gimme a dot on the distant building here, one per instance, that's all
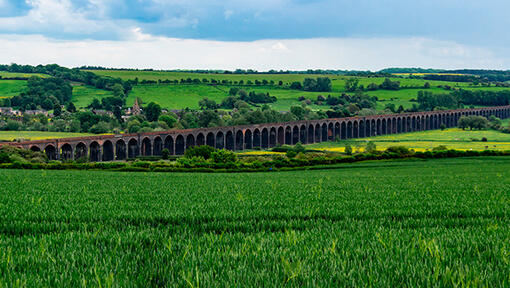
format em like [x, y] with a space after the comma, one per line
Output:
[8, 111]
[136, 108]
[102, 112]
[36, 112]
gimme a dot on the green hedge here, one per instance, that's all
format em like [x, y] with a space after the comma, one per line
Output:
[276, 163]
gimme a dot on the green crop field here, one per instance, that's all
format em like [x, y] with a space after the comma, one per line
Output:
[453, 138]
[436, 223]
[37, 135]
[9, 88]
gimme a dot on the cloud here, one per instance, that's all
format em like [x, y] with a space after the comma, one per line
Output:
[158, 52]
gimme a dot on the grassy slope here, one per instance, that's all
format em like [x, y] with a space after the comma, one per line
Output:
[83, 95]
[24, 75]
[413, 222]
[453, 138]
[37, 135]
[183, 96]
[9, 88]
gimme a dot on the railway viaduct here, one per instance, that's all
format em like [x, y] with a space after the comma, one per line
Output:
[260, 136]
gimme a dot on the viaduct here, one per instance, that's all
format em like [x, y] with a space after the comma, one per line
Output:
[259, 136]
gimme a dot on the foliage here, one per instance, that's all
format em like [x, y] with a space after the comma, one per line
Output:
[223, 156]
[203, 151]
[473, 122]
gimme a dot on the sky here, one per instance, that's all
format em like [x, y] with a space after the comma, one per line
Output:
[257, 34]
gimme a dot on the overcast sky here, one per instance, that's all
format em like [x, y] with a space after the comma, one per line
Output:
[257, 34]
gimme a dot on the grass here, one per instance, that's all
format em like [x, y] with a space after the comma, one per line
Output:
[83, 95]
[453, 138]
[423, 223]
[9, 88]
[5, 74]
[182, 96]
[37, 135]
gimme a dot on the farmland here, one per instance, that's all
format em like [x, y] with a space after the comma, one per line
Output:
[453, 138]
[9, 88]
[181, 96]
[423, 223]
[37, 135]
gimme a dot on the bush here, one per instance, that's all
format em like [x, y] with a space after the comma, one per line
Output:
[348, 149]
[4, 158]
[371, 148]
[203, 151]
[484, 139]
[291, 154]
[165, 154]
[399, 150]
[223, 156]
[440, 148]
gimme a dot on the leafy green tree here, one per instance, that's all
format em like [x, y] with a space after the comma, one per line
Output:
[351, 84]
[371, 147]
[168, 119]
[348, 149]
[204, 151]
[152, 111]
[70, 107]
[57, 110]
[223, 156]
[206, 103]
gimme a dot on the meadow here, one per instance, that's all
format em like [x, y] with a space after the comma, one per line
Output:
[452, 138]
[10, 88]
[441, 223]
[83, 95]
[37, 135]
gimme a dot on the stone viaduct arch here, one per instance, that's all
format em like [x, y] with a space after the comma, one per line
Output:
[128, 146]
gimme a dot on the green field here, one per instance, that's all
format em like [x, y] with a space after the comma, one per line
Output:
[436, 223]
[453, 138]
[182, 96]
[24, 75]
[83, 95]
[9, 88]
[37, 135]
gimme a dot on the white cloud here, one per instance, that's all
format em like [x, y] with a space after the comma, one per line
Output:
[146, 51]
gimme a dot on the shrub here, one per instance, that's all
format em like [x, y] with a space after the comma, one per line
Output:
[223, 156]
[203, 151]
[440, 148]
[348, 149]
[165, 153]
[484, 139]
[400, 150]
[371, 148]
[291, 153]
[4, 158]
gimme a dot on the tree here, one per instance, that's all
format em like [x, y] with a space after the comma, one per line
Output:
[70, 107]
[204, 151]
[348, 149]
[165, 154]
[206, 103]
[99, 128]
[57, 110]
[117, 112]
[296, 85]
[95, 104]
[371, 148]
[152, 111]
[168, 119]
[426, 85]
[223, 156]
[118, 90]
[351, 84]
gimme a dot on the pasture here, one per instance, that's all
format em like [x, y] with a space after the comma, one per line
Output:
[453, 138]
[398, 223]
[83, 95]
[37, 135]
[10, 88]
